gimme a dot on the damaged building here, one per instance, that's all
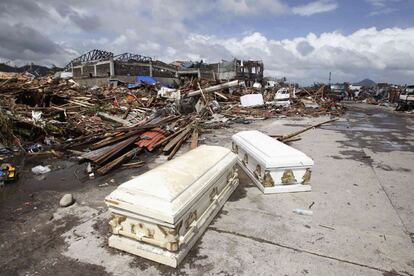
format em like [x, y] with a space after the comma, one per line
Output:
[98, 67]
[249, 71]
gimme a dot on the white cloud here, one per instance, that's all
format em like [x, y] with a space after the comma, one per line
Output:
[384, 55]
[253, 7]
[315, 7]
[377, 3]
[159, 30]
[382, 6]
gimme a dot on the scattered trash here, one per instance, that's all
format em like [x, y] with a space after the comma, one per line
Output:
[41, 169]
[8, 173]
[35, 148]
[328, 227]
[303, 212]
[251, 100]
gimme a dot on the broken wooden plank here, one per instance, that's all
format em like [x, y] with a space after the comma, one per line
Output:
[285, 137]
[168, 138]
[118, 161]
[134, 165]
[115, 119]
[221, 95]
[194, 139]
[295, 138]
[106, 156]
[178, 146]
[176, 140]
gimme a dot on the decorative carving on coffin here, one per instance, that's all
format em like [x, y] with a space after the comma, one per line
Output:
[171, 235]
[115, 223]
[268, 180]
[245, 159]
[234, 148]
[307, 176]
[213, 194]
[258, 173]
[191, 217]
[288, 177]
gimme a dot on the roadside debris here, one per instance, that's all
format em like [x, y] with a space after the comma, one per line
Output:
[305, 212]
[291, 136]
[41, 169]
[111, 126]
[8, 173]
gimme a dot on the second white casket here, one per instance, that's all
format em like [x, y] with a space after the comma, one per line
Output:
[161, 214]
[274, 166]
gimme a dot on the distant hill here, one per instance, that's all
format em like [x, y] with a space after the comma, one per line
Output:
[36, 70]
[365, 82]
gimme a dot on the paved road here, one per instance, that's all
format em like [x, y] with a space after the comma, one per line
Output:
[362, 199]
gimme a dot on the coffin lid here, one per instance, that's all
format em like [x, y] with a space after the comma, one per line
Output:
[168, 190]
[270, 152]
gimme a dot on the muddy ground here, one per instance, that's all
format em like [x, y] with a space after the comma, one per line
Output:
[363, 203]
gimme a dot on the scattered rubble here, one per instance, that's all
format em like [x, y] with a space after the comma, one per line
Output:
[41, 169]
[112, 125]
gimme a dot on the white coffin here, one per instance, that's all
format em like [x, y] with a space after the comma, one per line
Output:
[272, 165]
[161, 214]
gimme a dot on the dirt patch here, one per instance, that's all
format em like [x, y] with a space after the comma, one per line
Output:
[35, 245]
[357, 155]
[390, 169]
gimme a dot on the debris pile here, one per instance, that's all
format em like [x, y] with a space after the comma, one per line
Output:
[110, 126]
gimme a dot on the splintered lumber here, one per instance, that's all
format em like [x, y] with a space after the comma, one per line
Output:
[296, 138]
[288, 136]
[138, 164]
[113, 140]
[168, 138]
[221, 95]
[178, 146]
[108, 155]
[206, 102]
[176, 140]
[194, 139]
[214, 88]
[114, 119]
[80, 103]
[118, 161]
[127, 112]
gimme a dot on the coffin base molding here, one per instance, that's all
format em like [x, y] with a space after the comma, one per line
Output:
[164, 256]
[277, 189]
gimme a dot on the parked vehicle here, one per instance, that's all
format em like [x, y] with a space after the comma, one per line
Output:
[337, 91]
[406, 101]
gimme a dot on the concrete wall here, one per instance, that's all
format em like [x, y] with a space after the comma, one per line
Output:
[167, 81]
[89, 82]
[103, 70]
[102, 81]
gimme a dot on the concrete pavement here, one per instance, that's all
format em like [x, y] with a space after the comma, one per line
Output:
[362, 199]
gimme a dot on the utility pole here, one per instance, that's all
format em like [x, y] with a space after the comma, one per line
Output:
[329, 79]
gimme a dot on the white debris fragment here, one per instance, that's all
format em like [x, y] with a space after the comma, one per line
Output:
[41, 169]
[251, 100]
[305, 212]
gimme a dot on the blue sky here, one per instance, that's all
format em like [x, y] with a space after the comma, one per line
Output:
[302, 40]
[348, 17]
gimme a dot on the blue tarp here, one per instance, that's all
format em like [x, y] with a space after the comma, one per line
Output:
[145, 79]
[133, 85]
[139, 80]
